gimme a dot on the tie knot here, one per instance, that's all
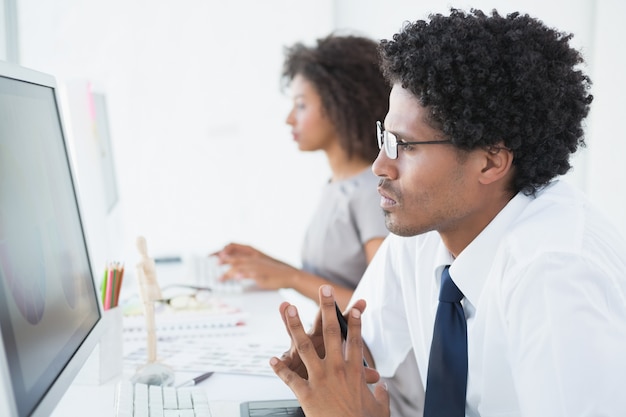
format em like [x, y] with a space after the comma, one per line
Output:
[449, 292]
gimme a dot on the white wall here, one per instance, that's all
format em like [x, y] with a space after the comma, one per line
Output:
[606, 171]
[3, 32]
[202, 153]
[9, 50]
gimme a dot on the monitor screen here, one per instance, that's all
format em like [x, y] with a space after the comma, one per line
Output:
[48, 301]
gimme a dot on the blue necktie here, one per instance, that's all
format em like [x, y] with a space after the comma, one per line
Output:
[446, 384]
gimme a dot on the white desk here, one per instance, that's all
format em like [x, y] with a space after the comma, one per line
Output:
[226, 391]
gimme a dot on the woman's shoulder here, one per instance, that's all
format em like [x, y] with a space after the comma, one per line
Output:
[365, 179]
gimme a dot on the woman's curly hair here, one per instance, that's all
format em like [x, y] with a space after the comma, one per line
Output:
[490, 79]
[345, 72]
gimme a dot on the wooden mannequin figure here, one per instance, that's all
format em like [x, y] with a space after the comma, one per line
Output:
[146, 272]
[153, 373]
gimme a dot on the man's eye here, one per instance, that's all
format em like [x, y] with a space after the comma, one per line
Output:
[405, 146]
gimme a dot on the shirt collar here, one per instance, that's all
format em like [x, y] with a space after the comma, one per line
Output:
[470, 269]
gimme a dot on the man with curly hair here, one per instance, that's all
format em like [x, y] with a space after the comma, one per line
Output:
[485, 112]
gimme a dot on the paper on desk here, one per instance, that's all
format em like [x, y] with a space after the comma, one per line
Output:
[203, 355]
[187, 324]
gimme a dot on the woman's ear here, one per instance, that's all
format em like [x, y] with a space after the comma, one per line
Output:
[498, 163]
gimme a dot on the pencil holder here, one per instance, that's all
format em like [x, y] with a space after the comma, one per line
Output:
[106, 361]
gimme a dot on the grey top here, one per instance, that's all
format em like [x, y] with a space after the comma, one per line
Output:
[347, 216]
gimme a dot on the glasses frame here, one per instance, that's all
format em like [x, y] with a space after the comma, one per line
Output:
[390, 142]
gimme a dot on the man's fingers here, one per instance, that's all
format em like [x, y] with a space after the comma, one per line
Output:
[289, 377]
[360, 305]
[381, 394]
[354, 343]
[371, 375]
[281, 309]
[300, 340]
[333, 342]
[291, 358]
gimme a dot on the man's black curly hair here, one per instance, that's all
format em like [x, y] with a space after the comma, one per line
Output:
[345, 72]
[490, 79]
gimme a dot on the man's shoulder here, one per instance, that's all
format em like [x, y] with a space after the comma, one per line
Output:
[557, 205]
[561, 218]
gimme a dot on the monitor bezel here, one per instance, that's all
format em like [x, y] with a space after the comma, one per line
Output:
[63, 381]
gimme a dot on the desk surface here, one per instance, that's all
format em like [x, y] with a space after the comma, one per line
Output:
[226, 391]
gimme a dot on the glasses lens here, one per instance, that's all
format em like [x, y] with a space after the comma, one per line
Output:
[391, 145]
[197, 300]
[181, 301]
[387, 140]
[379, 134]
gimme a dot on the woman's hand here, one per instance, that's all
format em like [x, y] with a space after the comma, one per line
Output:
[237, 250]
[328, 379]
[268, 273]
[247, 262]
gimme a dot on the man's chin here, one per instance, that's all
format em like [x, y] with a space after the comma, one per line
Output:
[393, 227]
[398, 229]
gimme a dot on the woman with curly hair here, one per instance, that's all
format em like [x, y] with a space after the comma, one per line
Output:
[338, 93]
[505, 281]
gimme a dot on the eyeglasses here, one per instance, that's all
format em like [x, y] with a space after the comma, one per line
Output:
[390, 141]
[197, 297]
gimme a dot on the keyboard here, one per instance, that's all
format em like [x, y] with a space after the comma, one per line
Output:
[141, 400]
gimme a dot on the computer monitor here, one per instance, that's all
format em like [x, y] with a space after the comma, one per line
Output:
[50, 316]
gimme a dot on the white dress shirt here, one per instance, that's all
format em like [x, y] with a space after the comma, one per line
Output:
[545, 301]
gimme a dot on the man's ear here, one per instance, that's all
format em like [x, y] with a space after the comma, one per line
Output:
[498, 163]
